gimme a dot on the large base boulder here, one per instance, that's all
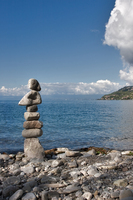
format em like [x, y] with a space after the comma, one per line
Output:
[33, 149]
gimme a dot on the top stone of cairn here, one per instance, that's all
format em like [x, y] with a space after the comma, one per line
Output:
[33, 84]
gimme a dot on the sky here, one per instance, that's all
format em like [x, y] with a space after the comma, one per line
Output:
[69, 46]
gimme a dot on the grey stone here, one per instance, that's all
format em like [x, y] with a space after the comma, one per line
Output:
[4, 156]
[121, 182]
[31, 98]
[44, 195]
[32, 133]
[72, 164]
[29, 196]
[29, 185]
[87, 195]
[32, 108]
[72, 153]
[32, 124]
[30, 116]
[2, 162]
[33, 149]
[17, 195]
[49, 179]
[16, 172]
[52, 194]
[125, 194]
[92, 170]
[36, 189]
[71, 188]
[61, 155]
[54, 185]
[27, 169]
[78, 194]
[89, 153]
[9, 190]
[57, 163]
[115, 194]
[61, 150]
[13, 180]
[33, 84]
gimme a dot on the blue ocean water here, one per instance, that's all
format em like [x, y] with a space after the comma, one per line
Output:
[70, 123]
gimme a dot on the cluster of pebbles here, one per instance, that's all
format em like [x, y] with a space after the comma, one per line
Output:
[67, 175]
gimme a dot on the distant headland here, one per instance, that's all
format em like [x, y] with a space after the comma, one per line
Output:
[125, 93]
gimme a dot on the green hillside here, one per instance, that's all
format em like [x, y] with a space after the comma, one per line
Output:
[125, 93]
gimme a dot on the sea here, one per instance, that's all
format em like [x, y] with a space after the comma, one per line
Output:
[70, 122]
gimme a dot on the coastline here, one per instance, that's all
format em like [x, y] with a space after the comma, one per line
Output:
[91, 173]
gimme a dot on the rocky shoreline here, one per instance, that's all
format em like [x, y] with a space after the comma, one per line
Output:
[88, 174]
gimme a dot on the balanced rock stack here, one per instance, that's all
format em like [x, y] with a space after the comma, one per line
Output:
[32, 146]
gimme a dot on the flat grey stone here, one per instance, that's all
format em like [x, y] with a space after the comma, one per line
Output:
[13, 180]
[57, 163]
[125, 194]
[17, 195]
[29, 196]
[27, 169]
[29, 116]
[33, 149]
[33, 84]
[31, 98]
[69, 189]
[9, 190]
[32, 133]
[32, 108]
[49, 179]
[72, 153]
[115, 194]
[29, 185]
[4, 156]
[32, 124]
[92, 170]
[121, 182]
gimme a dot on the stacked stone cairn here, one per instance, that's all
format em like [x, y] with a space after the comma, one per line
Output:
[32, 126]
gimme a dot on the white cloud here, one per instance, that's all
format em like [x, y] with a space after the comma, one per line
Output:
[14, 91]
[99, 87]
[119, 32]
[127, 75]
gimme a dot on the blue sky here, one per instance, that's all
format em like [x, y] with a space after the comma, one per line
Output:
[60, 43]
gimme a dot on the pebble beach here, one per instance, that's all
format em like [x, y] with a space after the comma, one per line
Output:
[87, 174]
